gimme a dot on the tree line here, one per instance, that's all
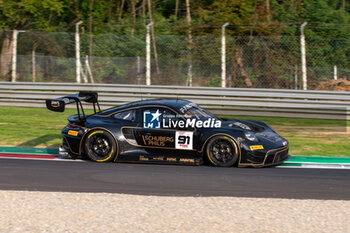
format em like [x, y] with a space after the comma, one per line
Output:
[246, 18]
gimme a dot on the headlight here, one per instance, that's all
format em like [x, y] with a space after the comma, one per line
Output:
[251, 136]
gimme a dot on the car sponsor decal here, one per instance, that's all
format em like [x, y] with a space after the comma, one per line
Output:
[171, 159]
[285, 143]
[191, 122]
[184, 140]
[184, 108]
[256, 147]
[159, 158]
[73, 133]
[55, 103]
[167, 159]
[187, 160]
[149, 140]
[151, 119]
[155, 120]
[143, 158]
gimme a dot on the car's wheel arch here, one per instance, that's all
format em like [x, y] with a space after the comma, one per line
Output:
[207, 139]
[83, 140]
[229, 137]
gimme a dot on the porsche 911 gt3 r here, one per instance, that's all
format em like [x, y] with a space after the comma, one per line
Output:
[166, 131]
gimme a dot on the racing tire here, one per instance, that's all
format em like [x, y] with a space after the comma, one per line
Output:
[100, 146]
[222, 151]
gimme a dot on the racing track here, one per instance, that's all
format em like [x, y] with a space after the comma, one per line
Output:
[147, 179]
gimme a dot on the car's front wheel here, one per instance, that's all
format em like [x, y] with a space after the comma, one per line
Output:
[100, 146]
[222, 151]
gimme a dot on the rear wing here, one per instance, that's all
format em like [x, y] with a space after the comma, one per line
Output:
[58, 105]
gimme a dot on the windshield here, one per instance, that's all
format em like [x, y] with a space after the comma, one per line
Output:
[199, 114]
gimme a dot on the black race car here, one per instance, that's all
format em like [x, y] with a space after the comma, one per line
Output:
[167, 131]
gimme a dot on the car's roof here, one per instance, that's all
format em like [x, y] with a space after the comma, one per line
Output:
[175, 104]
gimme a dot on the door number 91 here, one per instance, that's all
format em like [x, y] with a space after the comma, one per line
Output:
[184, 140]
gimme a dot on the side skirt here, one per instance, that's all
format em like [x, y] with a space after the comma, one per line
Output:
[161, 159]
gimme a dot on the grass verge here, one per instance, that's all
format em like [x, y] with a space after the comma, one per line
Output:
[39, 127]
[311, 136]
[33, 127]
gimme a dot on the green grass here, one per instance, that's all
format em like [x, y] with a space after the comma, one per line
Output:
[35, 127]
[311, 136]
[39, 127]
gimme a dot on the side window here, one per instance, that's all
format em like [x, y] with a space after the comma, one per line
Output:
[128, 115]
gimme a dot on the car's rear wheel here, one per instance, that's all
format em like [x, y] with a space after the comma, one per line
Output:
[222, 151]
[100, 146]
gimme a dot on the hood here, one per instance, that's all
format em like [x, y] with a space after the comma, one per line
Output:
[247, 125]
[261, 130]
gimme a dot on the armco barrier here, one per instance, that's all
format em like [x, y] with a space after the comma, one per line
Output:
[225, 101]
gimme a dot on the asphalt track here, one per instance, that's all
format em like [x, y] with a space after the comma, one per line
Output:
[174, 180]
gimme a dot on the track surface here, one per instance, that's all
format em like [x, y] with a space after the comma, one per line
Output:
[150, 179]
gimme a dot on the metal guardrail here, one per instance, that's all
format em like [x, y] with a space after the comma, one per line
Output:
[224, 101]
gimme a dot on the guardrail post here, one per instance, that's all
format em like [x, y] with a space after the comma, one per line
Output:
[335, 73]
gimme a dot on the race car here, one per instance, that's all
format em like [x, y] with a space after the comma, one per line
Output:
[170, 131]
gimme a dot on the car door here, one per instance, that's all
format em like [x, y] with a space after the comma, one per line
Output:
[127, 121]
[161, 130]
